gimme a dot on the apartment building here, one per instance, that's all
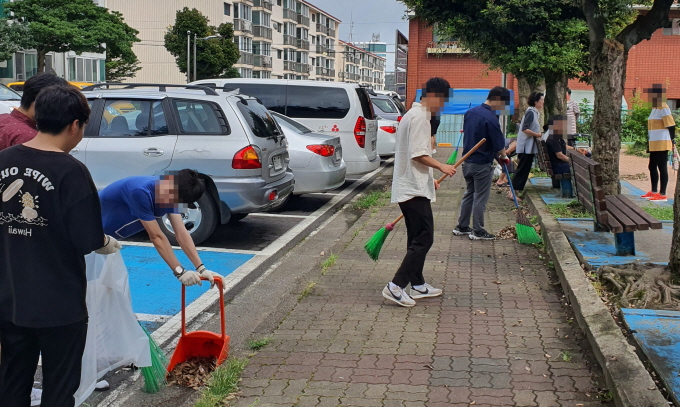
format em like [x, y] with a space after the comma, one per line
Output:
[360, 66]
[284, 39]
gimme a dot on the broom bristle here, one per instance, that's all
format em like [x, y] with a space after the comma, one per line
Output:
[452, 158]
[527, 234]
[375, 243]
[154, 375]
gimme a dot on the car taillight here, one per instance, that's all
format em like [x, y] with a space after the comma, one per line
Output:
[389, 129]
[246, 159]
[360, 132]
[399, 119]
[322, 149]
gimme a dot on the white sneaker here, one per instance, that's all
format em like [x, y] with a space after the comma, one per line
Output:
[398, 295]
[425, 291]
[36, 396]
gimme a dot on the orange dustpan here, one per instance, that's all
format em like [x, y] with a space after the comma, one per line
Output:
[201, 343]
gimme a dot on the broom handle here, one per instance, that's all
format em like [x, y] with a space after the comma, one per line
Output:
[507, 174]
[400, 217]
[465, 157]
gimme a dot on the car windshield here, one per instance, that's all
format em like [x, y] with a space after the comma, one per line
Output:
[258, 118]
[291, 124]
[8, 94]
[385, 105]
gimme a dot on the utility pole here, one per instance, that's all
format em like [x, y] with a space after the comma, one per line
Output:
[188, 56]
[504, 117]
[195, 59]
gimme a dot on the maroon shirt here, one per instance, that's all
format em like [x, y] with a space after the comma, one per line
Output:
[16, 128]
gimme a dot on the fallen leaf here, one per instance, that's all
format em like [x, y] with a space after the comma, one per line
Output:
[429, 367]
[579, 404]
[474, 402]
[527, 368]
[322, 253]
[496, 282]
[547, 356]
[651, 388]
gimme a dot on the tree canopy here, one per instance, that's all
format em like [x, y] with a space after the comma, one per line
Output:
[13, 37]
[121, 61]
[215, 56]
[74, 25]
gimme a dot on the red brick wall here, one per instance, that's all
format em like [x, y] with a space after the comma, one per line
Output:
[653, 61]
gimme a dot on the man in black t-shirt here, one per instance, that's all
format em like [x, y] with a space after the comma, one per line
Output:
[556, 146]
[50, 218]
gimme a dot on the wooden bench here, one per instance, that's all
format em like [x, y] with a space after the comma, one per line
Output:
[562, 181]
[612, 213]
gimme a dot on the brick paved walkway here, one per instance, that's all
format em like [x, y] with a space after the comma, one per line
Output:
[495, 338]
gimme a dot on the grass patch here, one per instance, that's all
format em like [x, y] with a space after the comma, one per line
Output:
[660, 212]
[565, 356]
[307, 290]
[257, 344]
[223, 383]
[537, 172]
[573, 209]
[373, 199]
[328, 263]
[637, 150]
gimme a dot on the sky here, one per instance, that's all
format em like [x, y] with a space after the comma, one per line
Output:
[369, 17]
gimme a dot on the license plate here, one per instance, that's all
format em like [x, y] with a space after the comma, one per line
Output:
[278, 163]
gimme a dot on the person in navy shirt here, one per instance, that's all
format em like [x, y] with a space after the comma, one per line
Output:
[481, 122]
[133, 204]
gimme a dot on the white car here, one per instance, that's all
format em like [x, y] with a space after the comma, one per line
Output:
[332, 108]
[387, 136]
[9, 99]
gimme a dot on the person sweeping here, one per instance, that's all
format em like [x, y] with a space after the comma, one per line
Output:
[413, 188]
[133, 204]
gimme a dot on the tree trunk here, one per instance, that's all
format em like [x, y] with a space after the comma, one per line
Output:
[525, 86]
[608, 64]
[41, 60]
[555, 95]
[674, 260]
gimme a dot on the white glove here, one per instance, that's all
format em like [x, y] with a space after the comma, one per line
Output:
[111, 246]
[210, 275]
[186, 277]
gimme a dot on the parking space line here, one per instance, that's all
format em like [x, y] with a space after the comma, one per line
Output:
[207, 299]
[200, 249]
[278, 215]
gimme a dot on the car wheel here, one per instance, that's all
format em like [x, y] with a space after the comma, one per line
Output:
[200, 222]
[235, 217]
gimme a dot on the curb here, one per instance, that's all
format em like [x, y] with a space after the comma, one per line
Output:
[626, 376]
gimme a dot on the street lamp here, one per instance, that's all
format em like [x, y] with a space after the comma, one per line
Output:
[189, 53]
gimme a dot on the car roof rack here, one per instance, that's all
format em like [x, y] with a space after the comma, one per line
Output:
[161, 87]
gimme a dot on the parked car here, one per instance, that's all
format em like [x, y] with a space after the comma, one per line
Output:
[386, 108]
[336, 108]
[387, 136]
[316, 159]
[394, 96]
[230, 139]
[9, 99]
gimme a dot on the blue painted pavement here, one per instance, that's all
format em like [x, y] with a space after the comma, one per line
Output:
[658, 334]
[153, 287]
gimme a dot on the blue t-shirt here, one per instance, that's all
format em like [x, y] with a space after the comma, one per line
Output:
[128, 201]
[479, 123]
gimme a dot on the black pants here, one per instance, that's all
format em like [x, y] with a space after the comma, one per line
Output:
[62, 350]
[522, 171]
[658, 166]
[420, 236]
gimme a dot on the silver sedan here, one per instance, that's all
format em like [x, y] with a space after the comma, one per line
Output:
[316, 159]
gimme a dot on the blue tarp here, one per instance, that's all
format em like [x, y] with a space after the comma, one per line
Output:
[460, 100]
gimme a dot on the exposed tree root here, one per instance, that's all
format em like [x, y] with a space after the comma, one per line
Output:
[642, 285]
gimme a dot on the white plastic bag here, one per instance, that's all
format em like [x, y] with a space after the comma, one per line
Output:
[114, 337]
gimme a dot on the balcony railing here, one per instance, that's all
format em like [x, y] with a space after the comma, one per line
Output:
[304, 44]
[304, 20]
[321, 28]
[296, 67]
[349, 76]
[289, 40]
[246, 58]
[325, 71]
[243, 25]
[377, 80]
[263, 61]
[367, 64]
[262, 31]
[263, 3]
[322, 49]
[449, 47]
[366, 79]
[290, 14]
[330, 32]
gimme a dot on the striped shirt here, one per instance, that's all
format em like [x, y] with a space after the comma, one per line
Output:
[658, 123]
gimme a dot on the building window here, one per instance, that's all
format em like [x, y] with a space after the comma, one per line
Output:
[227, 9]
[278, 2]
[313, 17]
[279, 54]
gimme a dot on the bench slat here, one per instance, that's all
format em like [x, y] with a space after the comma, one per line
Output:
[627, 211]
[652, 221]
[626, 222]
[613, 225]
[586, 162]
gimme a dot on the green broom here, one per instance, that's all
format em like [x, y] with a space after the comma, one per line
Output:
[454, 155]
[375, 243]
[154, 375]
[526, 234]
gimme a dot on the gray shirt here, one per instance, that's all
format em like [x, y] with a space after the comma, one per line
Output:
[526, 144]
